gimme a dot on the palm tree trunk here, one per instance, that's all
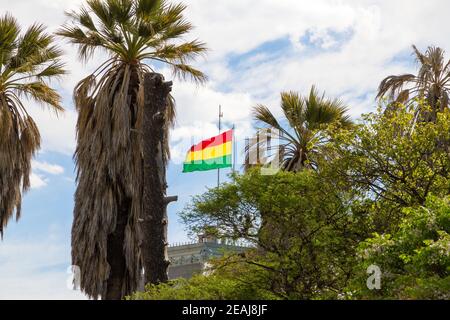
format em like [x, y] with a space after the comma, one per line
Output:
[116, 257]
[154, 223]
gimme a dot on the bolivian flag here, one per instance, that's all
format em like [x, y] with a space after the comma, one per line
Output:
[213, 153]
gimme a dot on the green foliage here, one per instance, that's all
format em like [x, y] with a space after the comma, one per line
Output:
[415, 261]
[300, 224]
[221, 285]
[393, 158]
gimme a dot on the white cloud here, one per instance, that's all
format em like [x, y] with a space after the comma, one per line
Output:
[37, 178]
[47, 167]
[37, 181]
[378, 32]
[57, 131]
[201, 103]
[239, 26]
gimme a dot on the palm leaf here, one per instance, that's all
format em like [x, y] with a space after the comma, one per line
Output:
[305, 117]
[430, 83]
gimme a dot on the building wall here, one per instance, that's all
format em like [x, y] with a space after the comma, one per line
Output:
[190, 259]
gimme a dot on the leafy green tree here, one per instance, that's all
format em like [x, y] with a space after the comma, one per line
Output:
[28, 61]
[300, 226]
[390, 167]
[230, 281]
[301, 132]
[415, 260]
[109, 156]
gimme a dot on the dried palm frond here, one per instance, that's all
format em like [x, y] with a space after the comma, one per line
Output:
[109, 161]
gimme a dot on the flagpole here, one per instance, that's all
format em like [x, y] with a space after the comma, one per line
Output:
[234, 149]
[220, 129]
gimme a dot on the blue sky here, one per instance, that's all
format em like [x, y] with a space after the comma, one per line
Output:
[258, 48]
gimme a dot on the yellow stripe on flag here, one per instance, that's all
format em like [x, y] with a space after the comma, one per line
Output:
[209, 153]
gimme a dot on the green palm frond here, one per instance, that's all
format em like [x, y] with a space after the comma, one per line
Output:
[148, 9]
[300, 135]
[320, 110]
[9, 32]
[41, 93]
[293, 108]
[136, 30]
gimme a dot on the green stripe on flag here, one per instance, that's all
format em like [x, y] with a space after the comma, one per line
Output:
[209, 164]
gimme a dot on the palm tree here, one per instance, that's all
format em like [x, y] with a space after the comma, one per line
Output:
[299, 134]
[109, 153]
[27, 61]
[432, 83]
